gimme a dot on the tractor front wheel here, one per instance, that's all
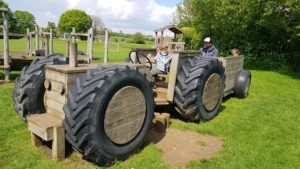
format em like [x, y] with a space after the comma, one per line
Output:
[108, 113]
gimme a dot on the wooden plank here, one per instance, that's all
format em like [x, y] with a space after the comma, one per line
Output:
[54, 75]
[55, 113]
[172, 77]
[58, 144]
[42, 125]
[55, 105]
[55, 95]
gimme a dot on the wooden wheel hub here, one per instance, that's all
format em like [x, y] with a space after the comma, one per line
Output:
[125, 115]
[212, 92]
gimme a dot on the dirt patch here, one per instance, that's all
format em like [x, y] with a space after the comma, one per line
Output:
[179, 147]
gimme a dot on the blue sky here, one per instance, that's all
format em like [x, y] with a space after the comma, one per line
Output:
[130, 16]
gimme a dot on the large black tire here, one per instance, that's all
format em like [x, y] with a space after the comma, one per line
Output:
[242, 84]
[28, 95]
[85, 113]
[191, 85]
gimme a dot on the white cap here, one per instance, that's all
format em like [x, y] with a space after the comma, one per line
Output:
[207, 40]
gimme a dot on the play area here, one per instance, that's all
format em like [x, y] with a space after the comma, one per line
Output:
[64, 106]
[105, 111]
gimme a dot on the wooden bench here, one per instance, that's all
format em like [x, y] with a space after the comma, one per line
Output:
[46, 127]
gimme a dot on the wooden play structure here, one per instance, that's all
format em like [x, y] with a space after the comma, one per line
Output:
[16, 61]
[105, 111]
[175, 43]
[6, 60]
[90, 35]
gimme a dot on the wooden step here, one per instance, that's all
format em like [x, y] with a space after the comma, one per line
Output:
[43, 125]
[161, 96]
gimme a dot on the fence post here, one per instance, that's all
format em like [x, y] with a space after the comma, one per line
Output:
[73, 55]
[29, 42]
[106, 46]
[73, 34]
[88, 43]
[51, 42]
[91, 35]
[6, 46]
[46, 44]
[36, 37]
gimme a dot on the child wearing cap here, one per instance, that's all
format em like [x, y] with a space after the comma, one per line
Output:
[163, 59]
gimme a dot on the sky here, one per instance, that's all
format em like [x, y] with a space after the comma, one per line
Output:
[129, 16]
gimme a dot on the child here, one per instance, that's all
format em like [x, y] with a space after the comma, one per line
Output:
[162, 59]
[235, 52]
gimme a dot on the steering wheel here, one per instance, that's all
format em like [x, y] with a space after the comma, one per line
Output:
[138, 53]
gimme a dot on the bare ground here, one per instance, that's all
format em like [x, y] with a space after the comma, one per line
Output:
[180, 147]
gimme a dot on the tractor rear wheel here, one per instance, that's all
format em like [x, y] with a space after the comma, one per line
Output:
[199, 88]
[29, 91]
[242, 84]
[108, 113]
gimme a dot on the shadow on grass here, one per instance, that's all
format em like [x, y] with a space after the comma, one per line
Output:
[281, 69]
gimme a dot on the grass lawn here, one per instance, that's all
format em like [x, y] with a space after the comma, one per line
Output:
[20, 46]
[261, 131]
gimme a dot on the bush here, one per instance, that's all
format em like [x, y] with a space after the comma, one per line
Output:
[139, 38]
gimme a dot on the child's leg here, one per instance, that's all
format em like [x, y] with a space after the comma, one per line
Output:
[154, 73]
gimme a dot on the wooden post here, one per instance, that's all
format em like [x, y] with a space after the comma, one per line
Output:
[36, 37]
[35, 140]
[106, 47]
[91, 45]
[42, 38]
[46, 45]
[162, 37]
[68, 48]
[6, 46]
[88, 43]
[58, 144]
[73, 35]
[156, 39]
[73, 55]
[51, 42]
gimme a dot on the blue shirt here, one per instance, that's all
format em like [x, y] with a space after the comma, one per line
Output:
[212, 52]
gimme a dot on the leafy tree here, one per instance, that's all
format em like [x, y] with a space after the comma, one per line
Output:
[74, 18]
[51, 25]
[263, 30]
[24, 20]
[11, 18]
[139, 38]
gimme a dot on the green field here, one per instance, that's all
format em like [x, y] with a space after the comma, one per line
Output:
[115, 53]
[261, 131]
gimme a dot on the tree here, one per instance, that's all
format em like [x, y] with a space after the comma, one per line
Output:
[24, 20]
[51, 25]
[97, 24]
[264, 30]
[74, 18]
[11, 18]
[139, 38]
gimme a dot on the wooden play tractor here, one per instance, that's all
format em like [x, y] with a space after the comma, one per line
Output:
[106, 110]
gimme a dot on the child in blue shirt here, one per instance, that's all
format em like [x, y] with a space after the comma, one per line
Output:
[163, 59]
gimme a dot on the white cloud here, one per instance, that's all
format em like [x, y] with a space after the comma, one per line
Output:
[127, 15]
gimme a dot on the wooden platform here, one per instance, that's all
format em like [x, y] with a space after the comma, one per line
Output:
[45, 127]
[160, 96]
